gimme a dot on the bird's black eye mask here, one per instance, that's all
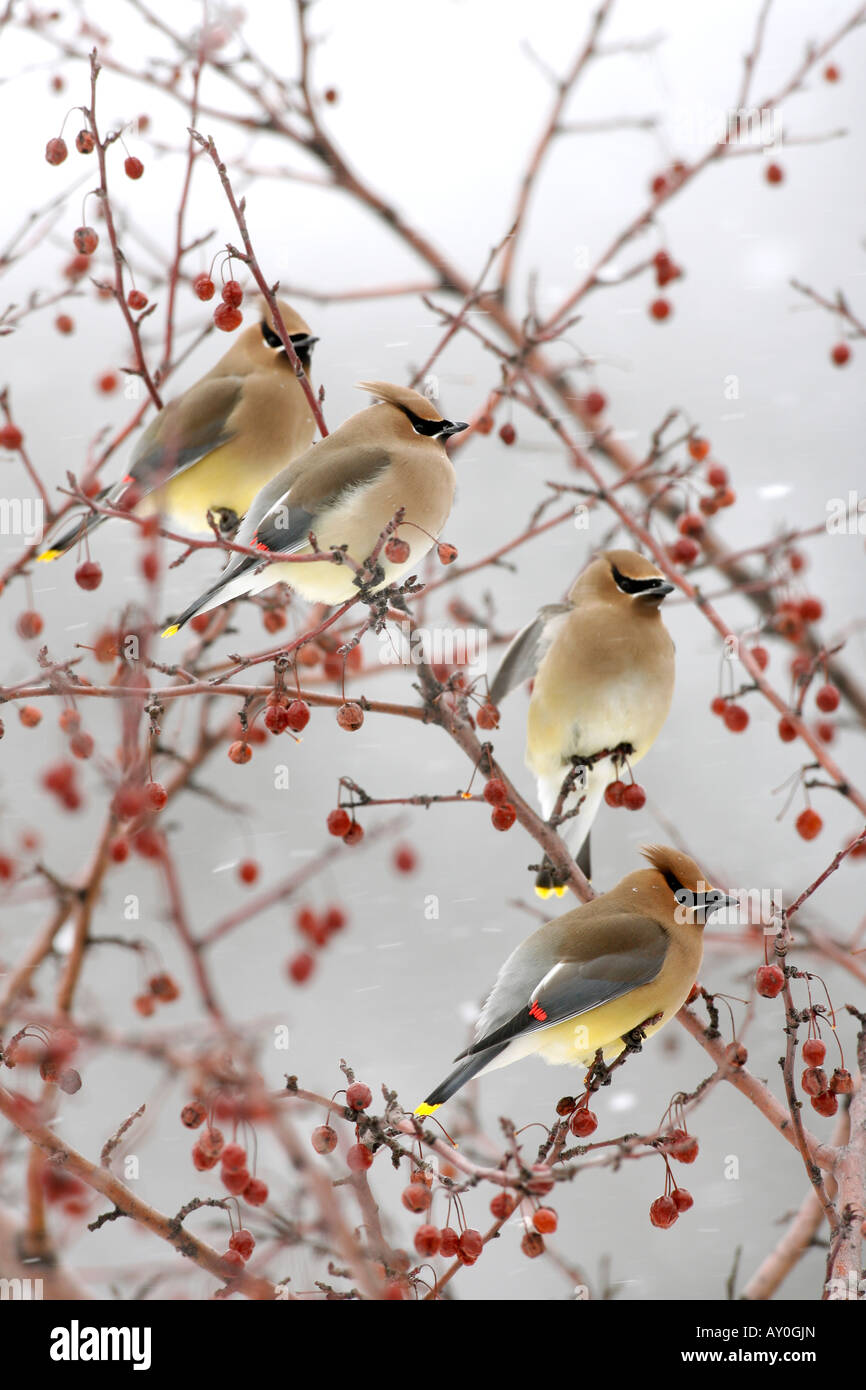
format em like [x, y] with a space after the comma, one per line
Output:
[634, 586]
[301, 342]
[432, 428]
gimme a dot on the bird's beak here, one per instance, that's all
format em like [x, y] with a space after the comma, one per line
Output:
[455, 426]
[656, 595]
[715, 900]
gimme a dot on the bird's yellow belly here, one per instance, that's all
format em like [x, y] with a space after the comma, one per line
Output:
[576, 1041]
[220, 480]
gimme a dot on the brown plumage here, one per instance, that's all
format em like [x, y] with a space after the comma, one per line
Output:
[603, 670]
[345, 490]
[623, 961]
[215, 446]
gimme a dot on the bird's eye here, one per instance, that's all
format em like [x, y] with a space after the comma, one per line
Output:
[272, 339]
[633, 586]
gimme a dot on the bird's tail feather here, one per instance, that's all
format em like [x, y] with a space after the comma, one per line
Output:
[469, 1067]
[82, 527]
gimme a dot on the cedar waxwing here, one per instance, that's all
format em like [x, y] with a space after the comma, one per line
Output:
[215, 447]
[589, 978]
[603, 669]
[345, 489]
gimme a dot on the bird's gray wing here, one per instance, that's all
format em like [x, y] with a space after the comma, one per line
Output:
[186, 431]
[632, 954]
[523, 658]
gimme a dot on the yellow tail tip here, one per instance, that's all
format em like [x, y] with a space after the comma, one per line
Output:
[49, 555]
[558, 889]
[543, 892]
[170, 631]
[425, 1109]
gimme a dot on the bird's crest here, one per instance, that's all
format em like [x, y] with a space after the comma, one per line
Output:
[403, 397]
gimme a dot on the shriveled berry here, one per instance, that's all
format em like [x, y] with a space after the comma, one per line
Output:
[164, 987]
[81, 745]
[503, 816]
[447, 553]
[193, 1114]
[350, 716]
[841, 1082]
[532, 1245]
[450, 1241]
[203, 1161]
[136, 299]
[825, 1104]
[683, 1146]
[234, 1157]
[769, 981]
[324, 1139]
[55, 150]
[85, 240]
[663, 1212]
[814, 1081]
[488, 717]
[682, 1199]
[470, 1243]
[155, 795]
[397, 550]
[502, 1205]
[234, 1180]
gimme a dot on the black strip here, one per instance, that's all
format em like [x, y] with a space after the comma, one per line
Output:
[673, 882]
[420, 426]
[634, 586]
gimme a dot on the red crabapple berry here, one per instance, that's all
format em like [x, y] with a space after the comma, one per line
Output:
[405, 859]
[55, 150]
[119, 850]
[769, 981]
[831, 73]
[507, 433]
[761, 657]
[684, 1146]
[504, 816]
[274, 619]
[133, 167]
[428, 1241]
[256, 1192]
[358, 1096]
[232, 294]
[660, 309]
[614, 793]
[397, 550]
[163, 986]
[447, 553]
[450, 1241]
[841, 1082]
[240, 752]
[787, 729]
[203, 1161]
[690, 524]
[718, 705]
[338, 822]
[594, 402]
[684, 551]
[203, 287]
[301, 967]
[814, 1081]
[808, 824]
[532, 1245]
[827, 698]
[811, 610]
[234, 1157]
[774, 173]
[10, 436]
[484, 424]
[502, 1205]
[814, 1052]
[663, 1212]
[416, 1197]
[193, 1114]
[825, 1104]
[276, 719]
[495, 791]
[488, 717]
[355, 834]
[84, 142]
[155, 795]
[211, 1142]
[85, 240]
[234, 1180]
[227, 317]
[736, 1054]
[136, 300]
[28, 624]
[359, 1158]
[698, 448]
[248, 871]
[243, 1242]
[324, 1139]
[545, 1221]
[81, 745]
[30, 716]
[634, 797]
[470, 1244]
[108, 382]
[89, 575]
[682, 1199]
[583, 1123]
[566, 1106]
[840, 354]
[541, 1182]
[234, 1260]
[350, 716]
[736, 718]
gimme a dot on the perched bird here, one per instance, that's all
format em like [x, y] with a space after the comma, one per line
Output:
[603, 671]
[345, 489]
[625, 961]
[215, 447]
